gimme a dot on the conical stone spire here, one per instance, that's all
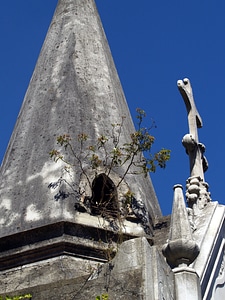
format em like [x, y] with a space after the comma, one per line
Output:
[74, 89]
[181, 249]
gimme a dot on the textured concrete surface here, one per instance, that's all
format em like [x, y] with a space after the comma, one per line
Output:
[187, 284]
[210, 236]
[74, 89]
[46, 248]
[138, 271]
[180, 249]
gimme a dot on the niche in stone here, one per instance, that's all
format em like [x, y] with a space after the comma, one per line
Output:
[104, 199]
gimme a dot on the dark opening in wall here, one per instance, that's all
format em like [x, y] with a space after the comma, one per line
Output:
[104, 200]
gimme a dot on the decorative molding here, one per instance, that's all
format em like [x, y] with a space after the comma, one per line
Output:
[219, 286]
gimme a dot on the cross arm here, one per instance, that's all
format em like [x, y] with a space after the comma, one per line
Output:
[194, 119]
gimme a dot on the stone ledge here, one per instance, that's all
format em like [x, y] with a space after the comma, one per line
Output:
[59, 239]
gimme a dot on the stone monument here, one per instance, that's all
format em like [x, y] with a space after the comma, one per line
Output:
[48, 239]
[53, 245]
[195, 248]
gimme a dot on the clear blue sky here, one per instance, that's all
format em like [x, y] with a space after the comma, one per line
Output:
[154, 43]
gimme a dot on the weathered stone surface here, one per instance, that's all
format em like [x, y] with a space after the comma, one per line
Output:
[194, 121]
[74, 89]
[210, 236]
[86, 239]
[138, 271]
[181, 247]
[51, 250]
[197, 189]
[47, 247]
[32, 277]
[187, 285]
[161, 231]
[181, 250]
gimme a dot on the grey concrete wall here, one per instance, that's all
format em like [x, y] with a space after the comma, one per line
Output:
[74, 88]
[138, 271]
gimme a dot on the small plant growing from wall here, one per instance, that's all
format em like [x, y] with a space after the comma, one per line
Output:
[18, 297]
[102, 158]
[102, 297]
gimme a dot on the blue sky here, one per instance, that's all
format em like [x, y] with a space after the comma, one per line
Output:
[154, 43]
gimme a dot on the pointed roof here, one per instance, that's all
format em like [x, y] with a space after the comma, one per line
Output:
[180, 248]
[74, 88]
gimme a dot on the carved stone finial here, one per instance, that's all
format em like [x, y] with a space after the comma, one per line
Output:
[197, 189]
[181, 249]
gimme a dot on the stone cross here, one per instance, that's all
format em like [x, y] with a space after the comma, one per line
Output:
[190, 141]
[194, 119]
